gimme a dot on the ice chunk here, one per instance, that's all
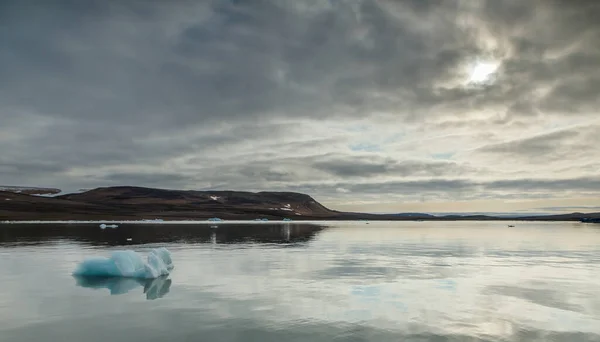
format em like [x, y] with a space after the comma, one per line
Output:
[104, 226]
[128, 264]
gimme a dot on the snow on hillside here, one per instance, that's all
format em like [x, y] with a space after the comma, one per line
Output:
[29, 190]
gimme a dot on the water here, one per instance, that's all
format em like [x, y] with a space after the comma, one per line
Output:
[406, 281]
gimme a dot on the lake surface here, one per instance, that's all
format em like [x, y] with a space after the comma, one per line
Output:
[403, 281]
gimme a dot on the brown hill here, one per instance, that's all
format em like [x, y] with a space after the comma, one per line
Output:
[148, 203]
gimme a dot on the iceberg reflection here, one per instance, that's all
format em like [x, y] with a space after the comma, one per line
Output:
[153, 288]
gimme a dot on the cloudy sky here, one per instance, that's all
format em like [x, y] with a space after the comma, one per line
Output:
[370, 105]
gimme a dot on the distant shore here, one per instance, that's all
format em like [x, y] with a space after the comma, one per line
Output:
[149, 205]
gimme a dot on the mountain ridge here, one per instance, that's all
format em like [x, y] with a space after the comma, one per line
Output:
[139, 203]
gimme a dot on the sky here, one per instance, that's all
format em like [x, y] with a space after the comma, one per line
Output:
[366, 105]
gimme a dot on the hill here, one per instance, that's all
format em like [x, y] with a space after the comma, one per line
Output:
[148, 203]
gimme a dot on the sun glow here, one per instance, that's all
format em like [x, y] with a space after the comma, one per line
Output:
[482, 72]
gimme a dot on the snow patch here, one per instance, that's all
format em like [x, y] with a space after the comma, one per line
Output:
[286, 209]
[287, 205]
[128, 264]
[214, 198]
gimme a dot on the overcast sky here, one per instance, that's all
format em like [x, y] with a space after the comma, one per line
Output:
[364, 104]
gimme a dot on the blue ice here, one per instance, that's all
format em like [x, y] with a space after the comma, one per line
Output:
[128, 264]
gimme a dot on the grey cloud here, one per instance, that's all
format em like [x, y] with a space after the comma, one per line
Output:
[368, 166]
[559, 145]
[540, 145]
[171, 180]
[461, 189]
[585, 184]
[31, 168]
[241, 60]
[113, 83]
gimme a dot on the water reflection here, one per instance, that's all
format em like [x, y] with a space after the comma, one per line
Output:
[153, 288]
[136, 234]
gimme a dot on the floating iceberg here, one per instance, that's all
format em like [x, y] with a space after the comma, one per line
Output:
[104, 226]
[128, 264]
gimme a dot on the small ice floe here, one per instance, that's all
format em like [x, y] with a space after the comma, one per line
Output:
[215, 219]
[104, 226]
[7, 199]
[129, 239]
[128, 264]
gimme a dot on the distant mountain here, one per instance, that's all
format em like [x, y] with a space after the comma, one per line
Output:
[29, 190]
[414, 215]
[138, 203]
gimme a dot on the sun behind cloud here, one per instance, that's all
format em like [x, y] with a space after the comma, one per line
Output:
[482, 72]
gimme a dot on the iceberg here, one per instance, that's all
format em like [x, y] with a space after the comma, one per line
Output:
[128, 264]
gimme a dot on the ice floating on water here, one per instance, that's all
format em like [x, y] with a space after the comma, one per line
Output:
[128, 264]
[153, 288]
[104, 226]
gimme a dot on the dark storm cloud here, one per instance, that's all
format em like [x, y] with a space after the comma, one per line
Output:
[116, 60]
[365, 167]
[89, 85]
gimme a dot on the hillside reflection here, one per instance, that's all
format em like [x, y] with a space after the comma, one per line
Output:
[135, 234]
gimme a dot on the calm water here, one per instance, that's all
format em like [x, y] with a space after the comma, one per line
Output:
[410, 281]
